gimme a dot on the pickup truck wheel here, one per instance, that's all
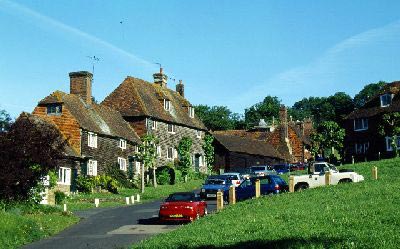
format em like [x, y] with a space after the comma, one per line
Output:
[347, 180]
[300, 187]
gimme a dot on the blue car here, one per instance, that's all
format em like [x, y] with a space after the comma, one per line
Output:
[214, 184]
[269, 184]
[281, 168]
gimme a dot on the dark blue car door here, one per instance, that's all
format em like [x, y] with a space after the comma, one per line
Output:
[246, 190]
[266, 186]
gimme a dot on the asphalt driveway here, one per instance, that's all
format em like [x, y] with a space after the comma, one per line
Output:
[111, 228]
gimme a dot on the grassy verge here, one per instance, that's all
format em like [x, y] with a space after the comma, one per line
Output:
[21, 225]
[357, 215]
[86, 201]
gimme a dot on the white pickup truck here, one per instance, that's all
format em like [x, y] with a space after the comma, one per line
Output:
[316, 176]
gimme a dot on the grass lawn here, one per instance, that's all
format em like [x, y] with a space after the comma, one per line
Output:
[20, 225]
[85, 201]
[355, 215]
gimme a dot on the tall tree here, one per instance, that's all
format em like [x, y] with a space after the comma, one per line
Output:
[267, 109]
[367, 93]
[342, 104]
[147, 155]
[328, 136]
[390, 126]
[185, 160]
[5, 120]
[217, 117]
[28, 151]
[209, 151]
[320, 109]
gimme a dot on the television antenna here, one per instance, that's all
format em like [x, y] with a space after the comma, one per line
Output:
[94, 60]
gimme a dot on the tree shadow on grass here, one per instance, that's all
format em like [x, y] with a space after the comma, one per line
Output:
[314, 242]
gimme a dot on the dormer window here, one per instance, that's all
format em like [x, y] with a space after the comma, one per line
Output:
[54, 109]
[167, 105]
[122, 144]
[360, 124]
[386, 100]
[191, 111]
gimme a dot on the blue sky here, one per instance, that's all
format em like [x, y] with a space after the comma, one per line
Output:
[231, 53]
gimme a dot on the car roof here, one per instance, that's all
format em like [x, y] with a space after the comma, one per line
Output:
[230, 173]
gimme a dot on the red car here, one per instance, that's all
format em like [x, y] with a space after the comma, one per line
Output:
[182, 206]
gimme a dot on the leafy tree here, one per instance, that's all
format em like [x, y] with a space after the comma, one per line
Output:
[342, 105]
[185, 162]
[390, 126]
[367, 93]
[217, 117]
[328, 135]
[266, 109]
[147, 155]
[209, 151]
[28, 151]
[5, 121]
[320, 109]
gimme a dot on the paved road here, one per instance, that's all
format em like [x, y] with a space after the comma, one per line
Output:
[111, 228]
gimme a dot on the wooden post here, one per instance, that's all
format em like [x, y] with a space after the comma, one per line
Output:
[133, 199]
[257, 188]
[127, 200]
[374, 173]
[379, 155]
[352, 159]
[328, 177]
[291, 184]
[232, 195]
[220, 200]
[96, 202]
[65, 207]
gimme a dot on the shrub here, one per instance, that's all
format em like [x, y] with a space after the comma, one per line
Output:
[176, 176]
[84, 184]
[107, 183]
[163, 175]
[59, 197]
[118, 175]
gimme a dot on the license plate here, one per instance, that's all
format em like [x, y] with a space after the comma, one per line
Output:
[211, 195]
[176, 216]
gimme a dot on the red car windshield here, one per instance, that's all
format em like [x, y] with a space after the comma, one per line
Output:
[181, 197]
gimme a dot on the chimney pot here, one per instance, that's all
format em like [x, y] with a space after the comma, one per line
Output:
[81, 84]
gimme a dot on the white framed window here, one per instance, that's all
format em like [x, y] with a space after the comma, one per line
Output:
[171, 128]
[54, 109]
[171, 153]
[360, 124]
[361, 148]
[64, 176]
[159, 151]
[198, 133]
[136, 148]
[122, 144]
[92, 139]
[137, 168]
[389, 143]
[92, 168]
[167, 105]
[386, 100]
[122, 163]
[153, 125]
[191, 111]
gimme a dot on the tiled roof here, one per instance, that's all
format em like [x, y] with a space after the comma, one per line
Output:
[136, 97]
[246, 145]
[96, 118]
[372, 107]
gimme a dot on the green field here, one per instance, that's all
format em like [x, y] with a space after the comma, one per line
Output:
[85, 201]
[355, 215]
[21, 225]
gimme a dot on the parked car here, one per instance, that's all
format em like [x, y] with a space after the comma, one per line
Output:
[245, 173]
[281, 168]
[236, 178]
[182, 206]
[262, 170]
[269, 184]
[213, 184]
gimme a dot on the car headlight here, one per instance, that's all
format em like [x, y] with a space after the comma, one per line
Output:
[203, 190]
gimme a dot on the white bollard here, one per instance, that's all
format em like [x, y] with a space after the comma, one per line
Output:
[127, 200]
[132, 199]
[96, 202]
[65, 207]
[138, 198]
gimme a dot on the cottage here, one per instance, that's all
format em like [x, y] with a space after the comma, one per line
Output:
[363, 141]
[97, 135]
[152, 108]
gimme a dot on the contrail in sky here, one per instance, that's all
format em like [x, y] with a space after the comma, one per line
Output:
[48, 21]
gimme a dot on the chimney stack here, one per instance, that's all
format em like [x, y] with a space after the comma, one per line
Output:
[283, 120]
[81, 84]
[180, 88]
[160, 78]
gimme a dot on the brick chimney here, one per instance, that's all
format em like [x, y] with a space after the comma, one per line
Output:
[180, 88]
[160, 78]
[81, 84]
[283, 121]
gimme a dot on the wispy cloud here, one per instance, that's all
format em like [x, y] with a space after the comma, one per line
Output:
[42, 20]
[323, 71]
